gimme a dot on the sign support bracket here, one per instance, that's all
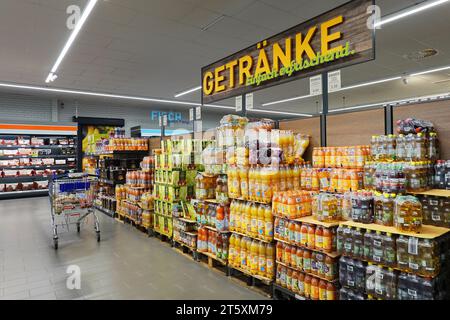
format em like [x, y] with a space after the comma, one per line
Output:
[323, 116]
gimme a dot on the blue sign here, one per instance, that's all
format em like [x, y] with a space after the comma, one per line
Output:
[171, 116]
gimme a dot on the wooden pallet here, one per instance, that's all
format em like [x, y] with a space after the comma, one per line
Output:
[185, 249]
[212, 261]
[260, 284]
[161, 236]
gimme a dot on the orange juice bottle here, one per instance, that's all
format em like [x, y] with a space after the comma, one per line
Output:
[339, 157]
[323, 290]
[232, 250]
[249, 254]
[270, 265]
[247, 227]
[290, 178]
[243, 178]
[327, 157]
[253, 220]
[296, 177]
[238, 216]
[254, 257]
[311, 236]
[318, 238]
[332, 157]
[261, 222]
[262, 261]
[307, 286]
[251, 183]
[304, 235]
[268, 221]
[283, 176]
[334, 180]
[347, 180]
[237, 249]
[314, 180]
[303, 178]
[243, 253]
[314, 289]
[359, 157]
[258, 185]
[341, 174]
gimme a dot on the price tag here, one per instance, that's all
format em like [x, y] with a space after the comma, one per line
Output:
[315, 85]
[334, 81]
[238, 103]
[198, 113]
[249, 101]
[191, 114]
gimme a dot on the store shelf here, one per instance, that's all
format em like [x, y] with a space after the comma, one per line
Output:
[37, 146]
[312, 220]
[163, 215]
[214, 257]
[251, 237]
[57, 156]
[254, 201]
[110, 182]
[184, 244]
[434, 192]
[308, 273]
[185, 220]
[39, 167]
[14, 194]
[17, 179]
[427, 232]
[330, 254]
[213, 229]
[118, 152]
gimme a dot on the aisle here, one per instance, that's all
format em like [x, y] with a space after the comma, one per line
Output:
[125, 265]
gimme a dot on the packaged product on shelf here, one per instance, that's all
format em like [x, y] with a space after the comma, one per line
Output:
[362, 207]
[205, 186]
[292, 204]
[414, 126]
[436, 211]
[413, 287]
[442, 175]
[325, 208]
[352, 274]
[222, 189]
[353, 157]
[349, 294]
[408, 214]
[381, 282]
[419, 256]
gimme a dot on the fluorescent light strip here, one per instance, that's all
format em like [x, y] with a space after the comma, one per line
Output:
[287, 100]
[430, 71]
[410, 11]
[188, 91]
[394, 102]
[280, 112]
[365, 84]
[90, 6]
[108, 95]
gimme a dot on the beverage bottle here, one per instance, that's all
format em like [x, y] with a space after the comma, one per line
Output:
[307, 261]
[295, 276]
[243, 262]
[340, 239]
[357, 243]
[377, 247]
[278, 275]
[318, 238]
[294, 257]
[388, 210]
[268, 223]
[283, 277]
[283, 176]
[327, 242]
[239, 217]
[331, 292]
[374, 147]
[314, 289]
[402, 244]
[360, 275]
[291, 238]
[260, 222]
[270, 261]
[378, 208]
[314, 269]
[368, 243]
[296, 177]
[311, 236]
[320, 264]
[299, 259]
[236, 261]
[330, 268]
[389, 252]
[297, 234]
[251, 183]
[400, 151]
[348, 242]
[232, 251]
[307, 285]
[262, 261]
[279, 251]
[287, 255]
[250, 255]
[315, 185]
[432, 148]
[334, 180]
[301, 284]
[304, 235]
[322, 290]
[419, 151]
[253, 220]
[243, 178]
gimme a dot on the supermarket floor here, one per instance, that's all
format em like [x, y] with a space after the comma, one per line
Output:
[125, 265]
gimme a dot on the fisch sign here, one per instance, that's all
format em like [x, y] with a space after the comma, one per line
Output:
[336, 39]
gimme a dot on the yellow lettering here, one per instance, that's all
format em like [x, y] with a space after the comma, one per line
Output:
[208, 83]
[262, 65]
[328, 38]
[284, 57]
[230, 66]
[219, 78]
[245, 67]
[303, 46]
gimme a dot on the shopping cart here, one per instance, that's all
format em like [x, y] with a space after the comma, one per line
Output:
[72, 198]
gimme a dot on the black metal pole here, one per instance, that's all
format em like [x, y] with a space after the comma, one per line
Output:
[244, 106]
[389, 119]
[323, 116]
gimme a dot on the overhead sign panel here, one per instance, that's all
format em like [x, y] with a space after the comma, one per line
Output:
[333, 40]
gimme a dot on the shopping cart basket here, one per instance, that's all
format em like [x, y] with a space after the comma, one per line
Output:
[72, 198]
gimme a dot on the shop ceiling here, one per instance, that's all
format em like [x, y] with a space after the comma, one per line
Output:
[156, 48]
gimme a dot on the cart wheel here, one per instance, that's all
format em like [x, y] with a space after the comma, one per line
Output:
[55, 244]
[78, 228]
[98, 236]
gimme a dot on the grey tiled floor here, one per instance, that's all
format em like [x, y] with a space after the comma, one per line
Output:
[124, 265]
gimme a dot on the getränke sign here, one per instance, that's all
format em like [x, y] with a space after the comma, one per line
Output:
[338, 38]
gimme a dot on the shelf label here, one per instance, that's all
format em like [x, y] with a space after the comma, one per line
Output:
[238, 103]
[334, 81]
[315, 85]
[249, 101]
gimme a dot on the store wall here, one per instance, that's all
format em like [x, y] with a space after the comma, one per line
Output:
[307, 126]
[355, 128]
[20, 107]
[436, 112]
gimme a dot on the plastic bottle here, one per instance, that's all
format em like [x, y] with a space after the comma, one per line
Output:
[367, 248]
[232, 250]
[389, 252]
[243, 252]
[311, 236]
[314, 289]
[377, 247]
[299, 259]
[358, 239]
[243, 178]
[318, 238]
[322, 290]
[262, 261]
[327, 242]
[330, 268]
[270, 271]
[340, 238]
[307, 286]
[307, 261]
[304, 235]
[348, 242]
[314, 268]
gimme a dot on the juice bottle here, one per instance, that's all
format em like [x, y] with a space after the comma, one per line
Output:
[296, 177]
[334, 181]
[331, 292]
[322, 290]
[261, 222]
[307, 261]
[327, 240]
[262, 260]
[236, 261]
[301, 284]
[327, 157]
[287, 255]
[243, 251]
[318, 238]
[268, 223]
[314, 263]
[299, 259]
[307, 285]
[270, 271]
[250, 255]
[304, 235]
[251, 183]
[314, 289]
[332, 159]
[243, 178]
[311, 236]
[289, 279]
[289, 178]
[298, 234]
[295, 275]
[283, 178]
[291, 232]
[232, 250]
[232, 216]
[303, 178]
[239, 216]
[330, 269]
[279, 251]
[315, 184]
